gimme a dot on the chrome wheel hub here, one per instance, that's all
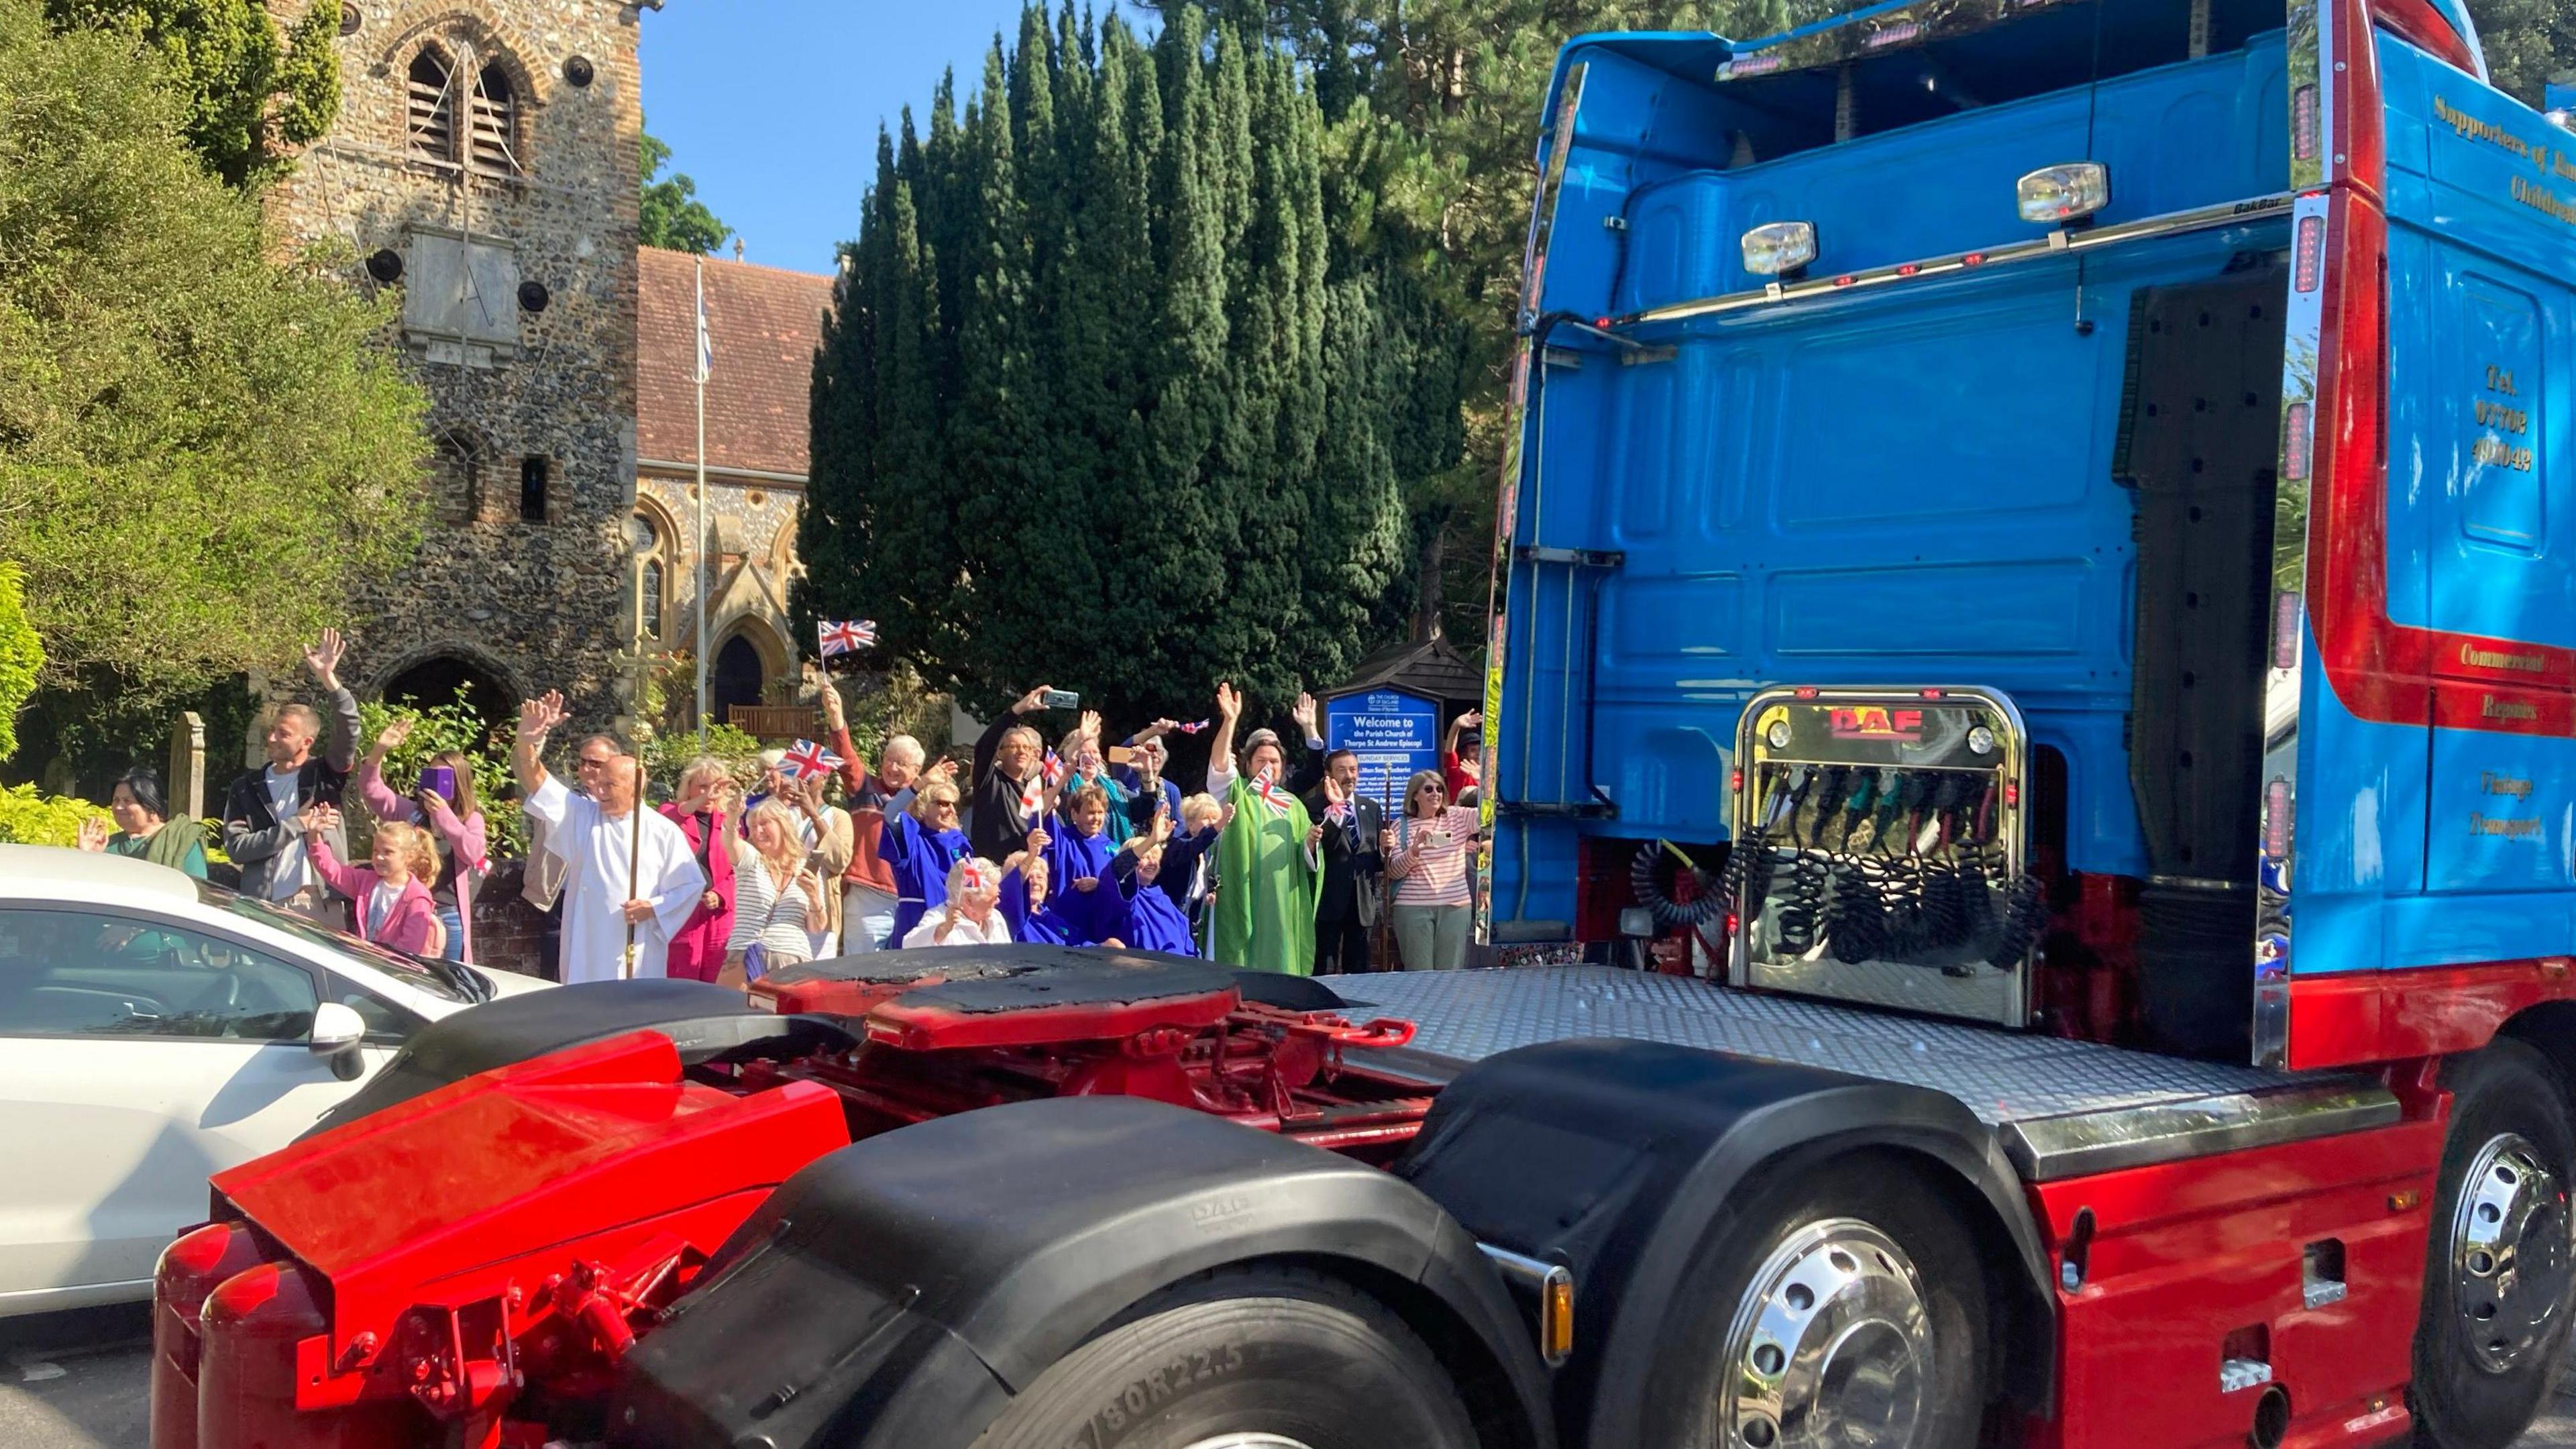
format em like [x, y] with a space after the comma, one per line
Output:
[2509, 1252]
[1831, 1347]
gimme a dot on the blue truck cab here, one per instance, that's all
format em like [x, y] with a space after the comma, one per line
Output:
[2167, 392]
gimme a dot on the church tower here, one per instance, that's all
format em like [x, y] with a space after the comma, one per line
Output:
[483, 173]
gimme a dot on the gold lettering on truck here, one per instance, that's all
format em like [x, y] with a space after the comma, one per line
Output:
[2477, 658]
[2493, 708]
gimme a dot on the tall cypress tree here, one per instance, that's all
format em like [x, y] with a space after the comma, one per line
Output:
[1103, 399]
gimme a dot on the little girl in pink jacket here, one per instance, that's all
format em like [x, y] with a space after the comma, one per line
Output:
[393, 905]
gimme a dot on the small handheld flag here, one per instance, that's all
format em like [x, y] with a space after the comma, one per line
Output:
[1052, 771]
[809, 758]
[1191, 729]
[1338, 812]
[971, 876]
[1269, 791]
[1033, 799]
[845, 636]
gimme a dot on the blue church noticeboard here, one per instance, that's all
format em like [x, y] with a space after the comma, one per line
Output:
[1393, 732]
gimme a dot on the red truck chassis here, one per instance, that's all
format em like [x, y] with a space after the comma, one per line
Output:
[467, 1268]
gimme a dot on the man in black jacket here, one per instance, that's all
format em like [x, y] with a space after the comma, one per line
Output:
[1349, 904]
[260, 833]
[1008, 800]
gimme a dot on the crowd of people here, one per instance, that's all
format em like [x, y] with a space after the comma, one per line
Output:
[1281, 863]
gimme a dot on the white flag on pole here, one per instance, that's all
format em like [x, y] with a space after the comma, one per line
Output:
[706, 342]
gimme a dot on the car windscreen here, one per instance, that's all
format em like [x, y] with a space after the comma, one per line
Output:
[443, 979]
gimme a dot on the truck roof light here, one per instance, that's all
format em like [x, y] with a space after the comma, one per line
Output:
[2064, 193]
[2303, 128]
[1779, 247]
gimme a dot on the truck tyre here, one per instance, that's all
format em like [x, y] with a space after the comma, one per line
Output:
[1273, 1357]
[1842, 1306]
[2497, 1276]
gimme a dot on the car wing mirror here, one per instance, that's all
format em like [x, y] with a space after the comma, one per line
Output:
[336, 1028]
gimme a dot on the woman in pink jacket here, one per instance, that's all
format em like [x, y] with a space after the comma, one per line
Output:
[446, 805]
[704, 812]
[393, 907]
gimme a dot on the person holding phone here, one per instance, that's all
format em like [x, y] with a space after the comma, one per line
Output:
[777, 899]
[443, 800]
[1010, 799]
[1426, 856]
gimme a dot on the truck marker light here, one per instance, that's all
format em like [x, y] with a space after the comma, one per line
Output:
[1973, 259]
[1779, 247]
[2297, 422]
[2285, 630]
[2063, 193]
[2305, 274]
[1894, 35]
[2304, 104]
[1556, 1319]
[1805, 691]
[1845, 280]
[1909, 269]
[2276, 820]
[2404, 1202]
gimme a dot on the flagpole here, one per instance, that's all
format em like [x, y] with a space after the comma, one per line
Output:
[699, 367]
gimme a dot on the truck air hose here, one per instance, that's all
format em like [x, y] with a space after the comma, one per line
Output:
[1748, 871]
[1858, 930]
[1706, 904]
[1800, 916]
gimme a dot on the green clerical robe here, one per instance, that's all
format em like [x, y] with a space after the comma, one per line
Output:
[1265, 898]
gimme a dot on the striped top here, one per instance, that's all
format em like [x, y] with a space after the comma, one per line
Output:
[1436, 847]
[764, 913]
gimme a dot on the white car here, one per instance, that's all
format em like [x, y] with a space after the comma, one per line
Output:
[155, 1030]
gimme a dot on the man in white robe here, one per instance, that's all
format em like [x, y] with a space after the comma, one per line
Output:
[611, 880]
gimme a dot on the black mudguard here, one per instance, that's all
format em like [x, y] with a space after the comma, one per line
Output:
[1614, 1157]
[706, 1022]
[896, 1294]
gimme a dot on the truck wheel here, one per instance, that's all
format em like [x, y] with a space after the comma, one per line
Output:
[2497, 1277]
[1843, 1308]
[1254, 1358]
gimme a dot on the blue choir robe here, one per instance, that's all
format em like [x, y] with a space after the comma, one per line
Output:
[920, 860]
[1042, 925]
[1097, 915]
[1153, 922]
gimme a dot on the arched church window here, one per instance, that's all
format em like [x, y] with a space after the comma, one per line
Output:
[432, 105]
[495, 112]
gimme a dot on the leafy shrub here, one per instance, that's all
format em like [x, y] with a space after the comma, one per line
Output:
[31, 817]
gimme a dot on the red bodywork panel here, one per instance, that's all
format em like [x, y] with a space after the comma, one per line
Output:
[2186, 1255]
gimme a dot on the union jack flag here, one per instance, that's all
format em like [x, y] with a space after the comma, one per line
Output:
[1052, 771]
[1269, 791]
[847, 636]
[1338, 812]
[971, 876]
[809, 758]
[1191, 729]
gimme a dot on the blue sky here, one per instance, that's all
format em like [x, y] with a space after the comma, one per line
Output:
[772, 106]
